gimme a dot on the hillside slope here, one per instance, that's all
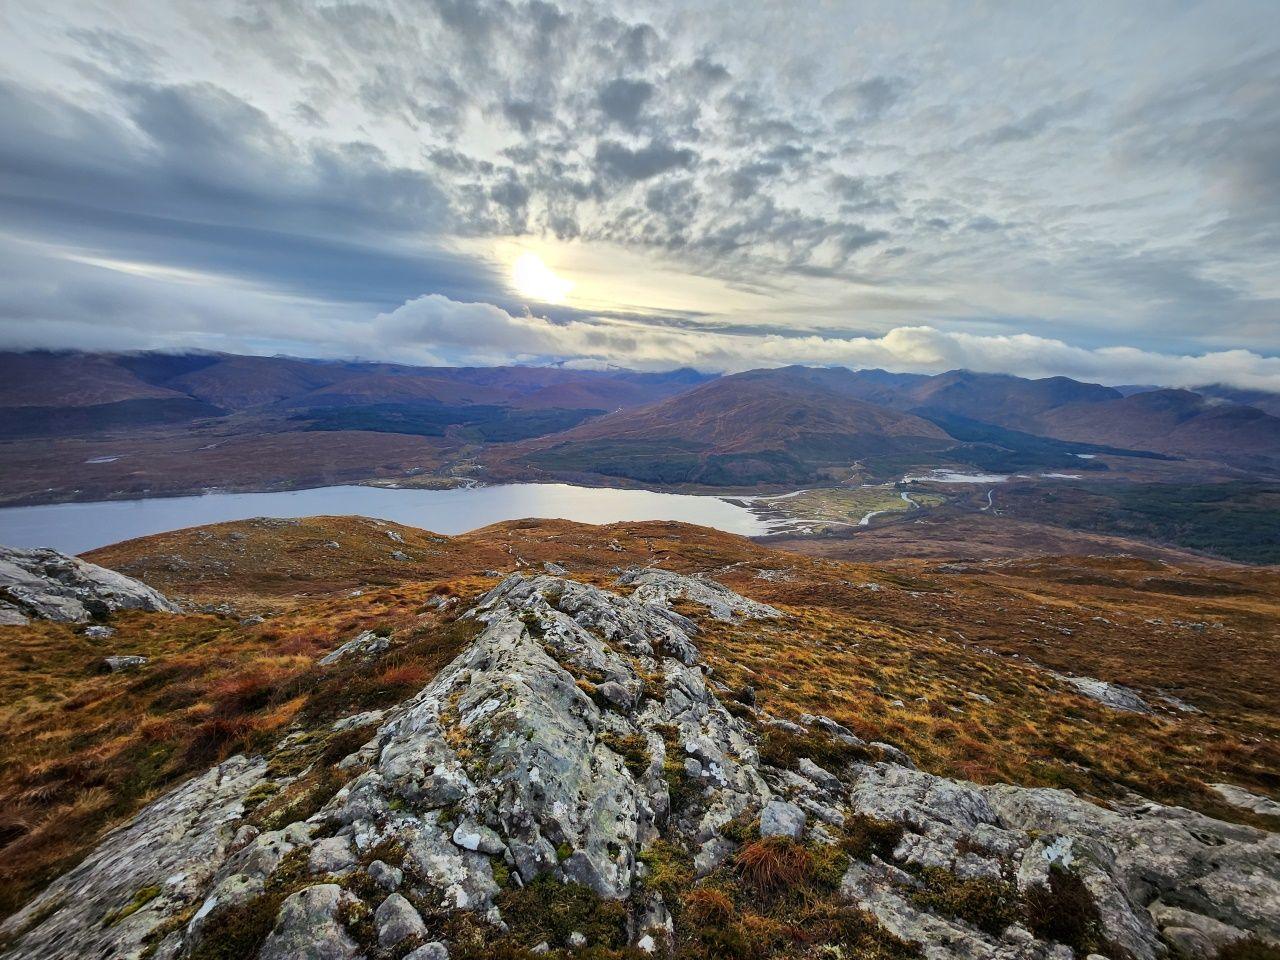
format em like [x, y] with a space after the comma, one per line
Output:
[798, 760]
[758, 427]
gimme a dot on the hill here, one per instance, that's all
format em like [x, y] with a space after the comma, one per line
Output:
[1172, 421]
[777, 739]
[763, 426]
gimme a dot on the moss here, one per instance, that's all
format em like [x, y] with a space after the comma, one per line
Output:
[564, 852]
[548, 910]
[829, 863]
[140, 899]
[990, 905]
[784, 749]
[865, 837]
[300, 799]
[238, 931]
[501, 873]
[260, 794]
[357, 918]
[633, 749]
[1064, 910]
[670, 870]
[683, 789]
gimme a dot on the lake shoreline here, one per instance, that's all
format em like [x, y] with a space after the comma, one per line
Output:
[80, 526]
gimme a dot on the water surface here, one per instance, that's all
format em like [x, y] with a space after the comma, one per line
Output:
[77, 527]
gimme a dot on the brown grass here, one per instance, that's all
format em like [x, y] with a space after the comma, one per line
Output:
[80, 751]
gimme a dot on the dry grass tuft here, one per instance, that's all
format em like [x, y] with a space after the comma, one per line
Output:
[773, 864]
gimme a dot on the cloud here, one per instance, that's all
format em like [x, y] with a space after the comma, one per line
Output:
[616, 160]
[622, 100]
[864, 169]
[482, 333]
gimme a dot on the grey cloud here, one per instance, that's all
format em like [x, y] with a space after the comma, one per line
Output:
[866, 99]
[619, 161]
[1035, 123]
[911, 154]
[622, 100]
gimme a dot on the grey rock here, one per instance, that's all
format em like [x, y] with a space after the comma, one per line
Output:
[47, 585]
[11, 616]
[554, 569]
[385, 875]
[662, 586]
[474, 836]
[1247, 800]
[366, 644]
[356, 720]
[118, 664]
[435, 950]
[782, 819]
[1113, 695]
[308, 927]
[99, 632]
[397, 921]
[177, 843]
[577, 940]
[823, 778]
[331, 855]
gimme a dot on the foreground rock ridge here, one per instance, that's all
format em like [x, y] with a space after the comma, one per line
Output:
[578, 751]
[47, 585]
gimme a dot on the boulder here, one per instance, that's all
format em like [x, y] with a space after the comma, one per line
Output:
[397, 921]
[365, 644]
[47, 585]
[781, 819]
[309, 927]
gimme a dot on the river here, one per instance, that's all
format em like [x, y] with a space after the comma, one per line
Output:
[77, 527]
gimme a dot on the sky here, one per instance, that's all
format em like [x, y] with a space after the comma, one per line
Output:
[1081, 189]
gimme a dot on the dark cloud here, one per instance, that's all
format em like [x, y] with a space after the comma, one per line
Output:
[616, 160]
[622, 100]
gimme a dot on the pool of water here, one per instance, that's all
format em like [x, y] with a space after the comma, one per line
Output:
[77, 527]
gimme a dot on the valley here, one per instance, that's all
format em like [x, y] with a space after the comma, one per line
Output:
[1084, 465]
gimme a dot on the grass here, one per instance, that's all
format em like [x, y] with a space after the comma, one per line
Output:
[926, 663]
[827, 509]
[82, 751]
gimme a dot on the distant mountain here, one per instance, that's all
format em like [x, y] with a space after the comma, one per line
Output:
[764, 426]
[1263, 400]
[997, 398]
[1171, 421]
[44, 379]
[162, 387]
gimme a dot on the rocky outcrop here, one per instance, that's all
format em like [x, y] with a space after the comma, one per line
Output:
[47, 585]
[576, 731]
[364, 644]
[141, 874]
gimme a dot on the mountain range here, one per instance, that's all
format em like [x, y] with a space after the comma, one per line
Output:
[156, 423]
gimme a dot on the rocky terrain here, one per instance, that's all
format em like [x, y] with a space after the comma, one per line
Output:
[580, 779]
[52, 586]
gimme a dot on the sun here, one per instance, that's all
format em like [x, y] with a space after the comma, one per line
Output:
[535, 280]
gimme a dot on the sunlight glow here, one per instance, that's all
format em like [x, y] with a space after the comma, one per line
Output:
[534, 279]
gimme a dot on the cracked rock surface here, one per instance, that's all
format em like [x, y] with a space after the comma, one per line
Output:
[574, 732]
[48, 585]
